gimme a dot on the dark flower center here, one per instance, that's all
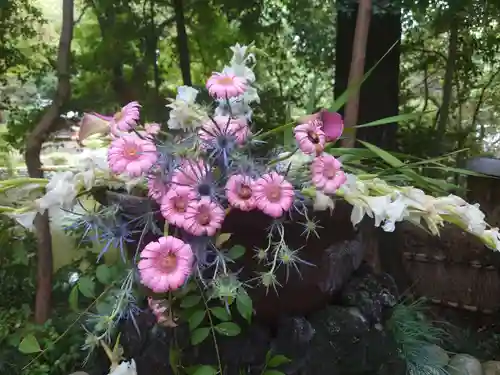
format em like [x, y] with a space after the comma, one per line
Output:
[204, 189]
[313, 137]
[245, 192]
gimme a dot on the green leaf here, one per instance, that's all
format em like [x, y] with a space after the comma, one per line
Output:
[190, 301]
[173, 359]
[220, 313]
[273, 372]
[392, 119]
[236, 252]
[278, 360]
[205, 370]
[199, 335]
[244, 305]
[29, 345]
[103, 274]
[396, 163]
[222, 239]
[86, 286]
[342, 99]
[228, 329]
[73, 299]
[195, 319]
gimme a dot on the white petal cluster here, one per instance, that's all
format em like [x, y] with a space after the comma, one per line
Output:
[388, 204]
[185, 114]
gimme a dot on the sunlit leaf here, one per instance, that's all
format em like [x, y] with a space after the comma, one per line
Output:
[393, 119]
[205, 370]
[86, 286]
[29, 344]
[244, 304]
[237, 251]
[222, 239]
[190, 301]
[278, 360]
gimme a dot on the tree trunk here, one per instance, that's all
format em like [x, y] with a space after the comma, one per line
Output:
[356, 70]
[182, 42]
[34, 144]
[379, 93]
[444, 111]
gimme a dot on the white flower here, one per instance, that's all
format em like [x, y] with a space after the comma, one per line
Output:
[377, 208]
[61, 192]
[125, 368]
[322, 202]
[492, 238]
[25, 219]
[294, 162]
[186, 94]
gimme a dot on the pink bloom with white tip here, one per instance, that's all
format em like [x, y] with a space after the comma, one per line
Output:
[165, 264]
[152, 128]
[274, 195]
[310, 137]
[203, 217]
[157, 187]
[225, 126]
[225, 85]
[239, 192]
[131, 155]
[327, 175]
[126, 119]
[174, 206]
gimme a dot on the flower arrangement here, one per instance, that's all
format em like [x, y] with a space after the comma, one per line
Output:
[198, 171]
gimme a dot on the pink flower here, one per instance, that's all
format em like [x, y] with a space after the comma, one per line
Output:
[174, 206]
[310, 137]
[152, 128]
[224, 128]
[126, 119]
[165, 264]
[157, 187]
[225, 85]
[331, 123]
[203, 217]
[326, 173]
[132, 155]
[274, 195]
[239, 192]
[190, 174]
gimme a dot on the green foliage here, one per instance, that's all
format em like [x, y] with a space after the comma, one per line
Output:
[21, 340]
[413, 335]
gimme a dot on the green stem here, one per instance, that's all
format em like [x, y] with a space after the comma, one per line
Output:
[211, 326]
[275, 130]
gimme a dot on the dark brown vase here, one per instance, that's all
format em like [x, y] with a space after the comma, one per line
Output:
[329, 258]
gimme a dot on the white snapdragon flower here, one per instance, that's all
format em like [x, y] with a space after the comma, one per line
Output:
[293, 162]
[61, 191]
[492, 238]
[125, 368]
[25, 219]
[323, 202]
[185, 113]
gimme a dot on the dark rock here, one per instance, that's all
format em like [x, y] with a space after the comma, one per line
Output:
[346, 343]
[371, 293]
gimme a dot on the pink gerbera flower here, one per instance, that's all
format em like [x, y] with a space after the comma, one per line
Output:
[152, 128]
[222, 130]
[174, 206]
[157, 187]
[310, 137]
[274, 195]
[239, 192]
[193, 175]
[331, 123]
[225, 85]
[165, 264]
[203, 217]
[327, 174]
[126, 119]
[132, 155]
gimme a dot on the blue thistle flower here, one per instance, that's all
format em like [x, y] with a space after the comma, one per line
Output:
[117, 236]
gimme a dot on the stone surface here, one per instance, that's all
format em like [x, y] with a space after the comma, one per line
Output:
[491, 368]
[346, 343]
[464, 364]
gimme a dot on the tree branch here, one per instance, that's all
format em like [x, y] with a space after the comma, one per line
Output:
[34, 144]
